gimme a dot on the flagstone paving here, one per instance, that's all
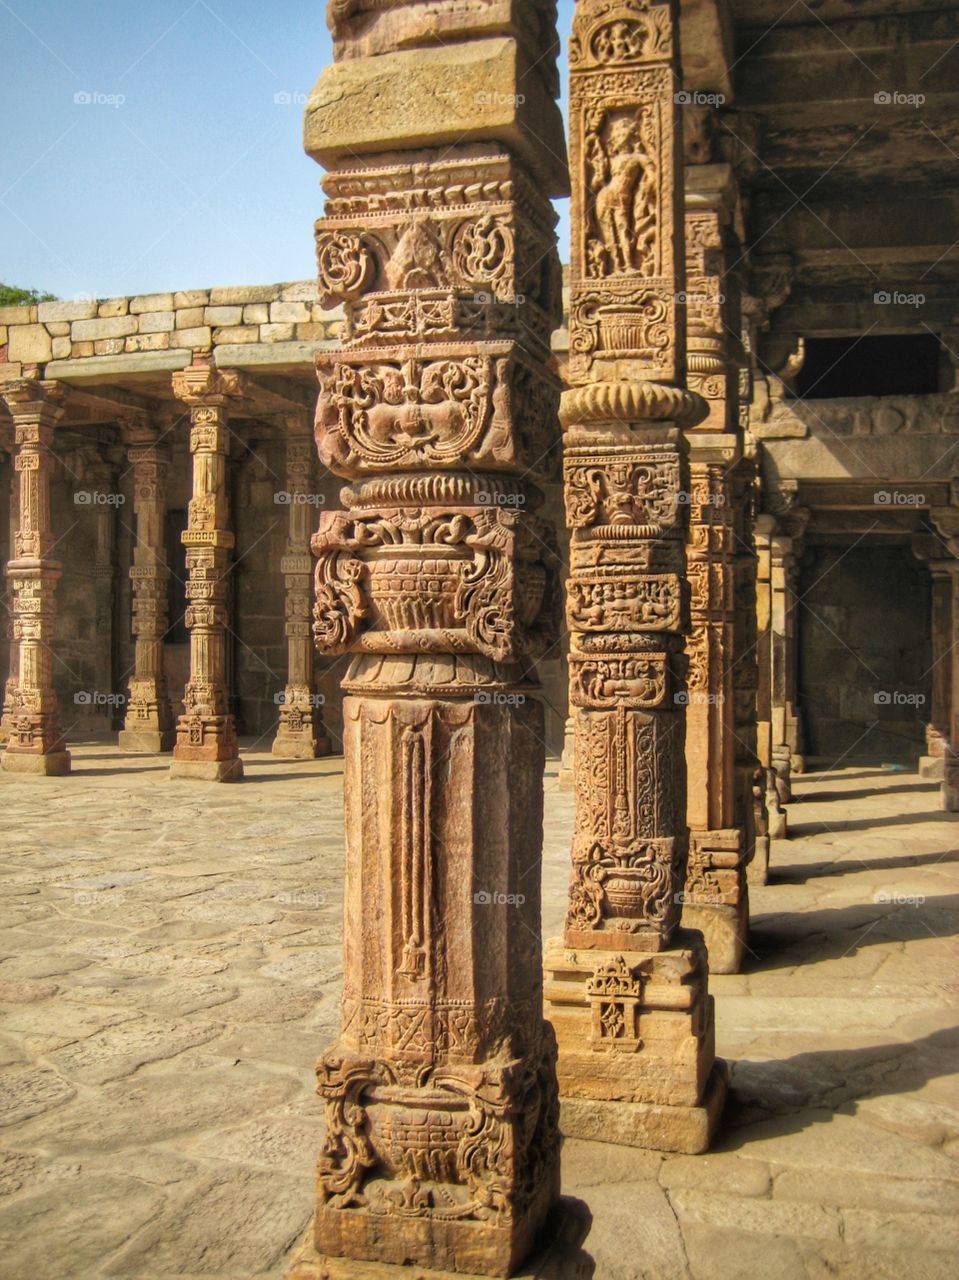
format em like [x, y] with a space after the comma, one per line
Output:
[169, 970]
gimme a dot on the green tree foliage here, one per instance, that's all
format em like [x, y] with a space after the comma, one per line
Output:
[11, 296]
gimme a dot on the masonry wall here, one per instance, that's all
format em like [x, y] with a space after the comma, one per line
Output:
[864, 652]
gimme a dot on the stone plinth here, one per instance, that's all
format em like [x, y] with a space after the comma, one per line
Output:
[640, 1037]
[557, 1256]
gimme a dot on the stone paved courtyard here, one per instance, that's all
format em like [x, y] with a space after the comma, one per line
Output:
[169, 970]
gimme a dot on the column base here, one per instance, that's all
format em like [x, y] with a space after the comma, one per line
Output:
[932, 767]
[685, 1130]
[207, 770]
[558, 1257]
[293, 748]
[636, 1037]
[725, 929]
[778, 827]
[52, 765]
[146, 741]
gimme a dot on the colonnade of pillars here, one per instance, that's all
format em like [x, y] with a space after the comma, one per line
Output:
[203, 739]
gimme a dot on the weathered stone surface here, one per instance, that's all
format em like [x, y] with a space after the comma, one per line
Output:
[150, 302]
[29, 344]
[83, 309]
[114, 327]
[223, 315]
[29, 1091]
[156, 321]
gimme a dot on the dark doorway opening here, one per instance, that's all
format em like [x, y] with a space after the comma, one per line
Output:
[888, 365]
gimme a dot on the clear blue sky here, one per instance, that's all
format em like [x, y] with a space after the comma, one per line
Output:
[184, 169]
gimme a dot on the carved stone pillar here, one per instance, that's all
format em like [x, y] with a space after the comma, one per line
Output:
[299, 734]
[442, 1145]
[35, 744]
[148, 725]
[750, 793]
[950, 759]
[715, 896]
[13, 665]
[626, 989]
[943, 636]
[103, 476]
[206, 743]
[764, 531]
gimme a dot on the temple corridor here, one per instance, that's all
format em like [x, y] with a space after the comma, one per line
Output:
[168, 973]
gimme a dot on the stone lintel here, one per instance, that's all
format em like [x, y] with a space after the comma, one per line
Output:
[107, 368]
[444, 96]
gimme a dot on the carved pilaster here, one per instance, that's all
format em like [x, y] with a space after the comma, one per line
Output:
[439, 580]
[299, 734]
[626, 475]
[13, 663]
[206, 744]
[35, 744]
[149, 724]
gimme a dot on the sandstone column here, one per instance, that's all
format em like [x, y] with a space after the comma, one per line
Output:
[626, 989]
[950, 777]
[148, 725]
[299, 734]
[13, 667]
[931, 765]
[751, 813]
[715, 897]
[764, 532]
[35, 744]
[103, 476]
[443, 143]
[206, 744]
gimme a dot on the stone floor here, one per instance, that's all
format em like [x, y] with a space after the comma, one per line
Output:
[169, 968]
